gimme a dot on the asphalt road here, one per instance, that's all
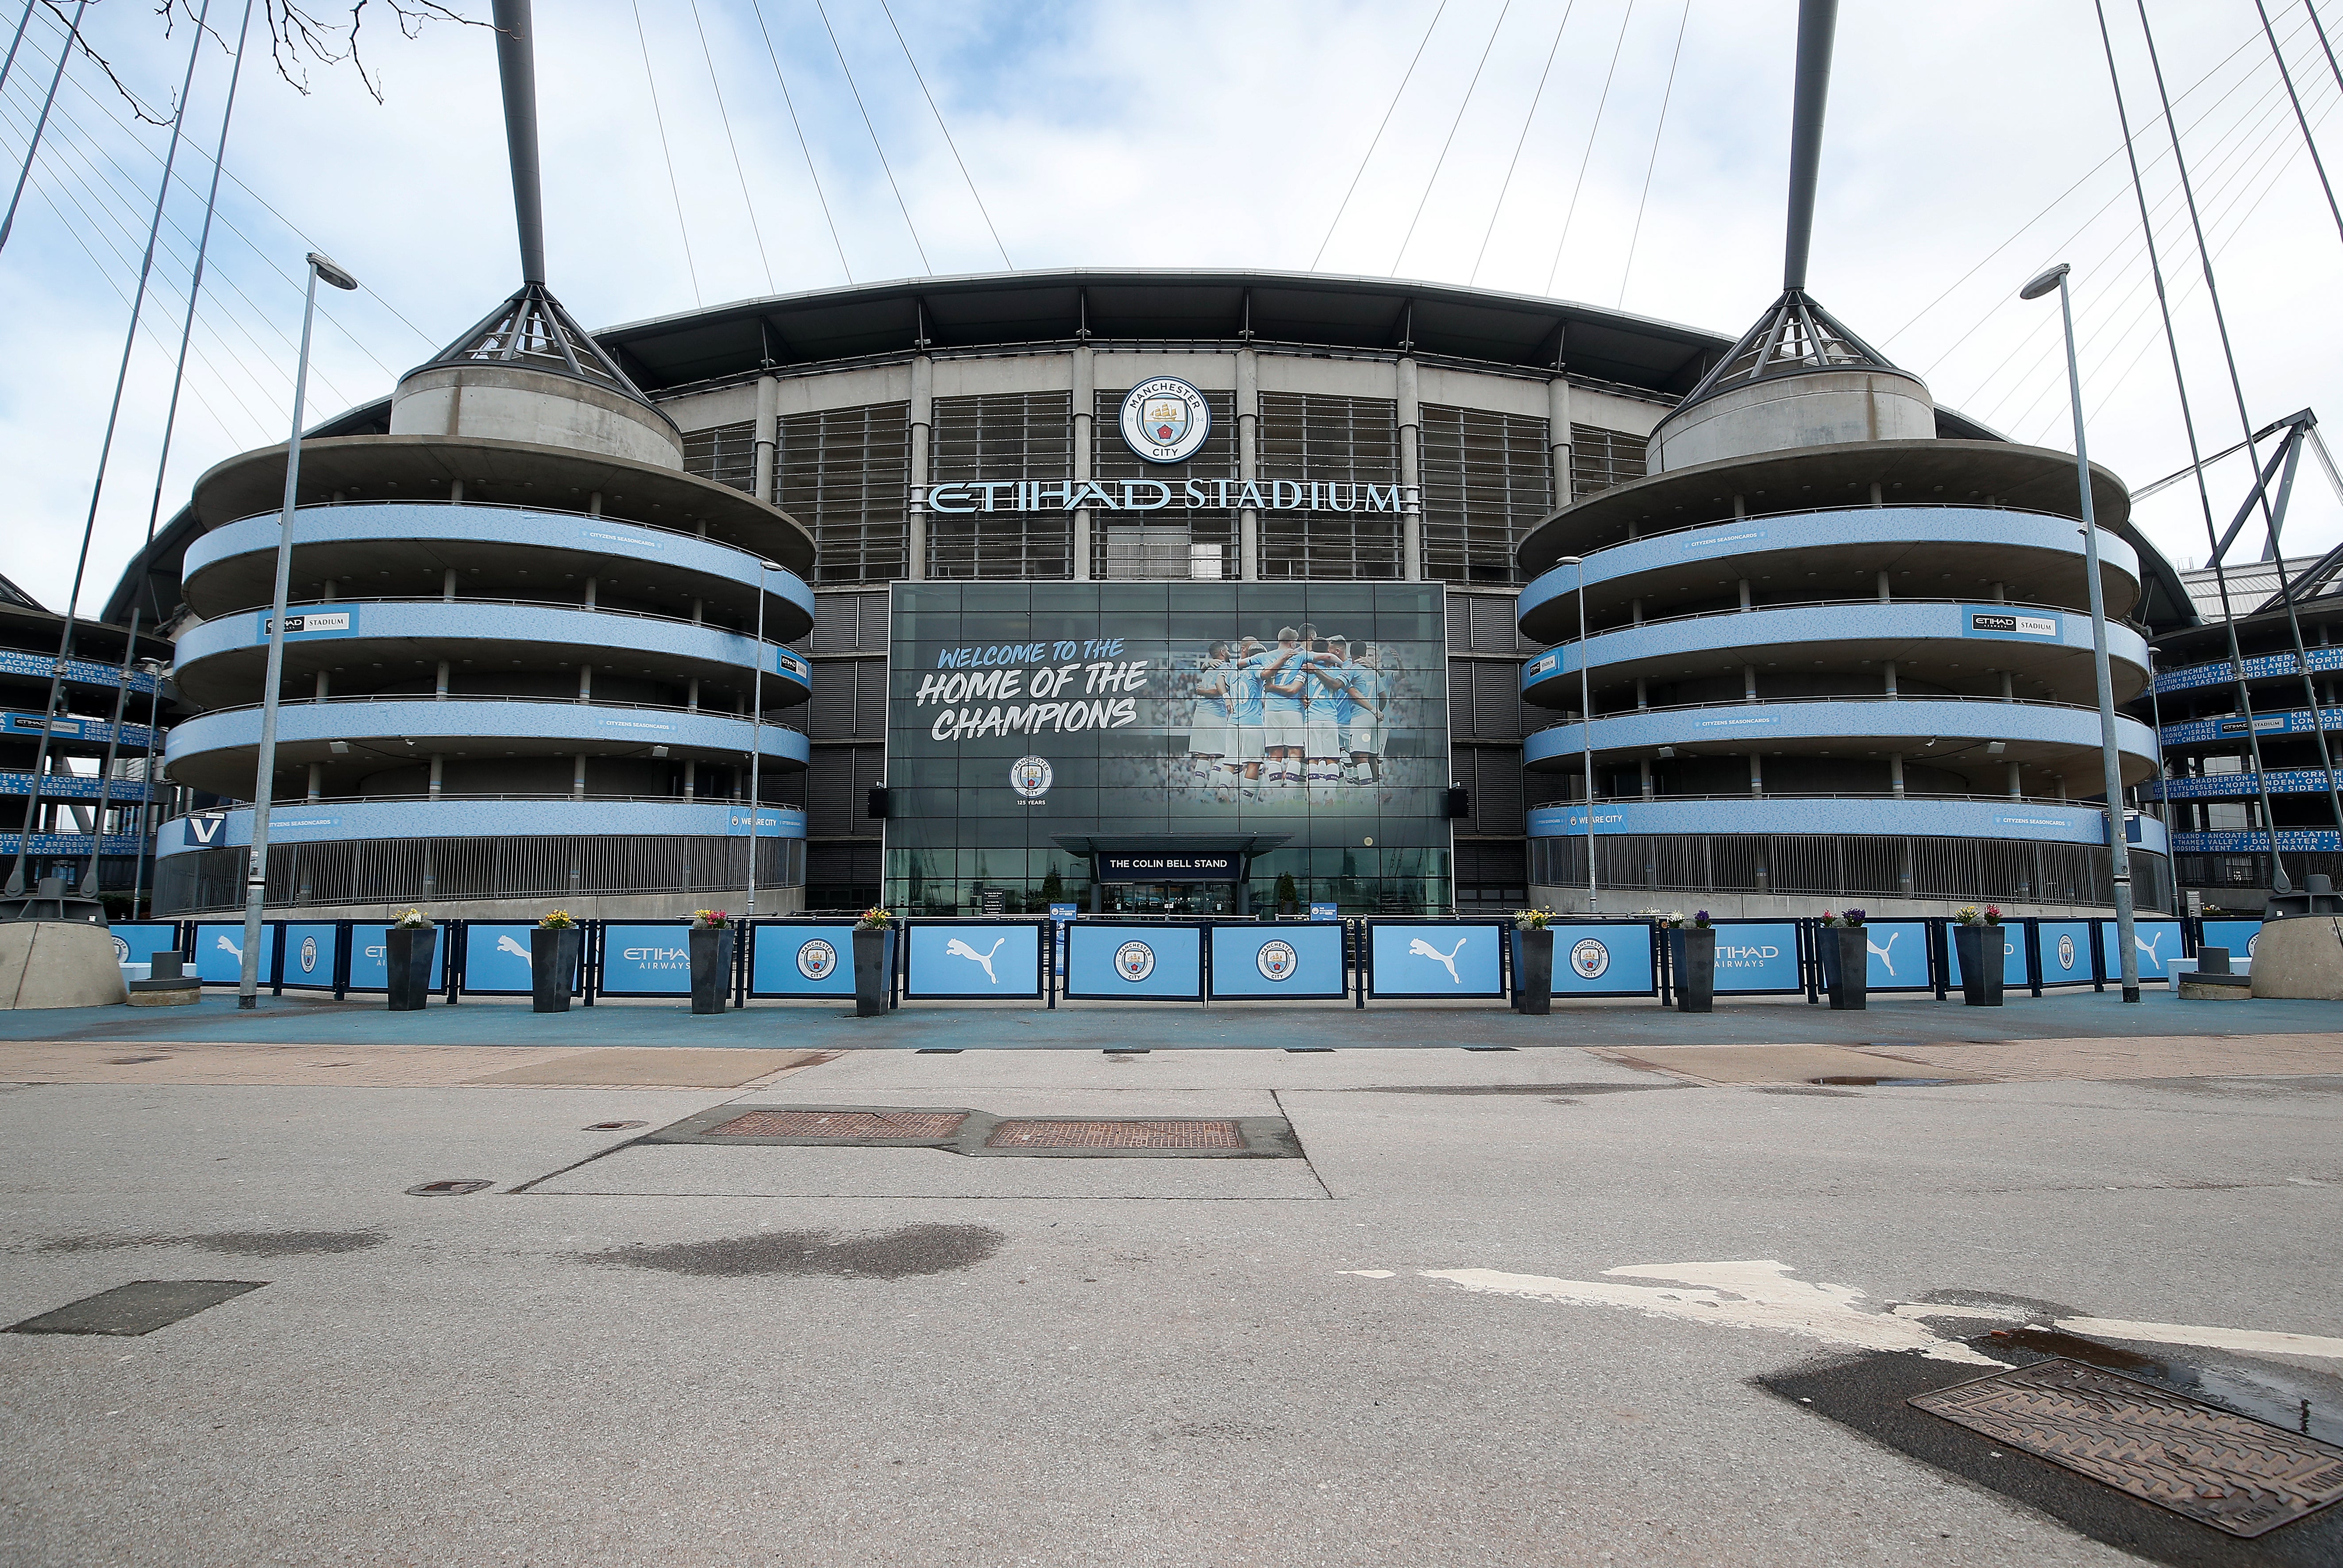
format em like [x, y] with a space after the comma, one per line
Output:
[688, 1355]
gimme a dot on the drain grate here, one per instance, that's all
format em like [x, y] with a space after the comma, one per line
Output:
[449, 1188]
[938, 1124]
[1032, 1134]
[611, 1126]
[2235, 1474]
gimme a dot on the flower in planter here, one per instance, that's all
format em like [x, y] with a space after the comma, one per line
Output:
[1700, 919]
[1854, 917]
[1993, 914]
[707, 920]
[1533, 920]
[413, 920]
[559, 920]
[1968, 915]
[875, 919]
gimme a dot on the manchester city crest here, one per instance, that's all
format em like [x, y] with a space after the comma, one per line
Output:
[1590, 958]
[1134, 961]
[1165, 420]
[1029, 776]
[1275, 961]
[817, 958]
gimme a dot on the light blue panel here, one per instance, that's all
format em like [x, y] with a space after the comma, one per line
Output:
[495, 958]
[79, 672]
[2066, 953]
[1291, 961]
[1767, 723]
[646, 960]
[2237, 936]
[2013, 955]
[1883, 814]
[1325, 911]
[2156, 944]
[813, 960]
[2268, 665]
[370, 957]
[219, 948]
[2290, 840]
[462, 818]
[1897, 952]
[310, 949]
[1135, 962]
[1757, 958]
[1454, 959]
[1595, 959]
[974, 959]
[135, 944]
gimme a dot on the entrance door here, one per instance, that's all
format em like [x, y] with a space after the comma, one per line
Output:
[1169, 898]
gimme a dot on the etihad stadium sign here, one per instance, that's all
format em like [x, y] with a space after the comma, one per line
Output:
[1157, 495]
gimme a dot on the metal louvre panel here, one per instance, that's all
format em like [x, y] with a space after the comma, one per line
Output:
[850, 623]
[422, 871]
[1849, 867]
[870, 698]
[845, 473]
[1002, 436]
[1486, 482]
[1112, 459]
[1346, 440]
[1493, 618]
[1496, 698]
[724, 453]
[1601, 458]
[837, 781]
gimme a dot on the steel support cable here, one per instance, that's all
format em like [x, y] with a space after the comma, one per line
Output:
[33, 146]
[916, 76]
[16, 43]
[1506, 185]
[739, 169]
[2238, 393]
[1434, 178]
[2293, 450]
[791, 103]
[660, 119]
[70, 621]
[925, 266]
[2317, 163]
[2320, 29]
[1636, 233]
[1376, 140]
[2052, 205]
[2196, 450]
[1593, 132]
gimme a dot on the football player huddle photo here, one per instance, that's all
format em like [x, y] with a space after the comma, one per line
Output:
[1298, 718]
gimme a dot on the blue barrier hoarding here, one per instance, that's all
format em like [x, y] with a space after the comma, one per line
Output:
[2065, 947]
[961, 959]
[2013, 954]
[1284, 961]
[1135, 962]
[2237, 936]
[2157, 943]
[1459, 958]
[1757, 957]
[137, 943]
[311, 951]
[496, 960]
[219, 953]
[1896, 955]
[371, 956]
[809, 958]
[1602, 959]
[646, 960]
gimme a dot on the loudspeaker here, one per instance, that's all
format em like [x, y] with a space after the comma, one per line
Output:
[874, 804]
[1460, 803]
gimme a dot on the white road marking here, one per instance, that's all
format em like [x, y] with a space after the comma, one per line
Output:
[2254, 1340]
[1367, 1274]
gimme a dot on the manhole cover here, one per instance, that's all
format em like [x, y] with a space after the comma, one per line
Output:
[935, 1124]
[446, 1189]
[612, 1126]
[1070, 1134]
[2235, 1474]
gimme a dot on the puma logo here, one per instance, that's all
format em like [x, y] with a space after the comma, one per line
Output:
[507, 944]
[229, 947]
[1871, 946]
[1418, 948]
[961, 949]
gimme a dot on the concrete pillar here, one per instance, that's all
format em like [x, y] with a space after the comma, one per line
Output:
[447, 584]
[323, 686]
[1740, 506]
[1410, 477]
[1744, 585]
[592, 585]
[317, 780]
[327, 593]
[1883, 595]
[578, 778]
[1748, 683]
[438, 767]
[1558, 439]
[1644, 774]
[440, 685]
[1248, 461]
[1756, 774]
[1642, 692]
[2001, 593]
[455, 489]
[1635, 609]
[594, 504]
[585, 682]
[1085, 401]
[769, 437]
[690, 780]
[692, 696]
[923, 410]
[1895, 773]
[1876, 500]
[2009, 691]
[1890, 670]
[2015, 790]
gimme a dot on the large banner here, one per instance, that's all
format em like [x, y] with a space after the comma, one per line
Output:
[1757, 957]
[1283, 962]
[969, 959]
[1437, 957]
[311, 952]
[1135, 963]
[812, 959]
[2157, 943]
[2065, 947]
[219, 953]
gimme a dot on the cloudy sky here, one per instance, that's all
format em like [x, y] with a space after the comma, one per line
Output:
[1968, 145]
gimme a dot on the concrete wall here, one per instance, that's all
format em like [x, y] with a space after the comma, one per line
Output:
[507, 403]
[1822, 409]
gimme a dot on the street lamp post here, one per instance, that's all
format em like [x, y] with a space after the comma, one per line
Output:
[152, 669]
[256, 874]
[2118, 851]
[756, 734]
[1586, 728]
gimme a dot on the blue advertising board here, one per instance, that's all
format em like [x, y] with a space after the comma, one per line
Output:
[138, 943]
[2013, 954]
[1325, 911]
[1602, 959]
[1896, 955]
[1285, 961]
[2065, 947]
[2237, 936]
[1437, 957]
[966, 959]
[2157, 943]
[1136, 962]
[496, 960]
[812, 959]
[1756, 956]
[219, 953]
[311, 951]
[371, 956]
[646, 960]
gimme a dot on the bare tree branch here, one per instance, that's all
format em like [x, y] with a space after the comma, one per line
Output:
[300, 36]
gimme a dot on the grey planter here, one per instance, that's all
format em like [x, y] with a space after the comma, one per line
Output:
[407, 957]
[1534, 985]
[1979, 948]
[1691, 956]
[874, 952]
[711, 970]
[553, 967]
[1846, 966]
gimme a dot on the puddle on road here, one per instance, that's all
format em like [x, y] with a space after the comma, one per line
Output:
[905, 1254]
[234, 1243]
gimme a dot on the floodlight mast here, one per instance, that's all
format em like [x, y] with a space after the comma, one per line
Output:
[516, 71]
[1818, 23]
